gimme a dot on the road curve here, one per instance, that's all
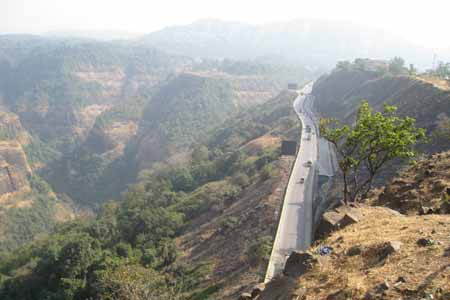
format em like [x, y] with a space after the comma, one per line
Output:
[295, 226]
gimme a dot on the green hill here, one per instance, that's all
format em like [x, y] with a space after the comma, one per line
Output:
[137, 237]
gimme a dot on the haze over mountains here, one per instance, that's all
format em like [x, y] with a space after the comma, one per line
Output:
[313, 43]
[136, 167]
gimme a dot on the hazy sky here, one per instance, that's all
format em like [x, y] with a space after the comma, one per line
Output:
[424, 22]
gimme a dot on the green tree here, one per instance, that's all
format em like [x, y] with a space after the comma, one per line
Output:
[441, 135]
[259, 251]
[443, 70]
[397, 65]
[344, 65]
[200, 153]
[367, 146]
[412, 71]
[135, 282]
[182, 180]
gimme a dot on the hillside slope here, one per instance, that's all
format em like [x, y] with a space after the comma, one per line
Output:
[82, 118]
[132, 136]
[28, 206]
[385, 254]
[338, 94]
[309, 42]
[422, 189]
[181, 224]
[237, 241]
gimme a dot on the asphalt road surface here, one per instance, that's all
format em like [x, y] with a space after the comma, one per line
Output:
[295, 225]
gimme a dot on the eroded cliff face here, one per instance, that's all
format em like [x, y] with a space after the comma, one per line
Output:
[27, 210]
[14, 167]
[27, 205]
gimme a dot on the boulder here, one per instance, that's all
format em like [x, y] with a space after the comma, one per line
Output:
[377, 292]
[245, 296]
[257, 290]
[280, 287]
[299, 294]
[340, 295]
[354, 250]
[336, 219]
[383, 286]
[328, 223]
[445, 207]
[298, 263]
[423, 210]
[348, 219]
[392, 212]
[391, 247]
[370, 295]
[400, 279]
[424, 242]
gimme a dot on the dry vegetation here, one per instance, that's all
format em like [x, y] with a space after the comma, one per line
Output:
[424, 188]
[386, 254]
[436, 81]
[265, 141]
[224, 242]
[425, 270]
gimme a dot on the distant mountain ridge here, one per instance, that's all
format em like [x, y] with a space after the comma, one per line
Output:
[309, 42]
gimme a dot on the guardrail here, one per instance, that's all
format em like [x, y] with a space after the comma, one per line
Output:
[276, 259]
[272, 261]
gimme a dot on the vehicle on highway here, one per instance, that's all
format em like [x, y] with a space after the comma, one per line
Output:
[302, 180]
[309, 163]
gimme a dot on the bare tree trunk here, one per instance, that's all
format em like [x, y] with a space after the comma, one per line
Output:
[345, 188]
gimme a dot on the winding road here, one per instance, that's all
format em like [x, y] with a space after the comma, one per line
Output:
[296, 221]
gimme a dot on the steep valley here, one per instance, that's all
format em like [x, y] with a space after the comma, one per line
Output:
[206, 204]
[129, 170]
[394, 242]
[81, 119]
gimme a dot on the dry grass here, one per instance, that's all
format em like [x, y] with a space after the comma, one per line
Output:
[426, 269]
[256, 212]
[422, 185]
[261, 143]
[436, 81]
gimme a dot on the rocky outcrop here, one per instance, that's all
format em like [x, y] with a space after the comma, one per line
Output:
[422, 189]
[14, 168]
[298, 263]
[383, 256]
[336, 219]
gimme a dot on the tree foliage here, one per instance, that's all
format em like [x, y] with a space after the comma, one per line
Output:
[376, 139]
[397, 65]
[443, 70]
[104, 257]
